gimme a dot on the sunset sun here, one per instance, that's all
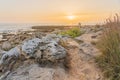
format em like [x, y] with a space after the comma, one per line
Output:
[71, 17]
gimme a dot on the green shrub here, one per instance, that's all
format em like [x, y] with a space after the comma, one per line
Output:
[74, 32]
[109, 44]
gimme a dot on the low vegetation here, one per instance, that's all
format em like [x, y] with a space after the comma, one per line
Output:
[109, 44]
[74, 32]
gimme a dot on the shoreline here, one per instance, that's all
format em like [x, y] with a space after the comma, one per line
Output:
[4, 35]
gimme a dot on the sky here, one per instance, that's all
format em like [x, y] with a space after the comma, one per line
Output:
[57, 11]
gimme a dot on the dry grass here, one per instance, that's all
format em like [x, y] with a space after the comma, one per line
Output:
[109, 44]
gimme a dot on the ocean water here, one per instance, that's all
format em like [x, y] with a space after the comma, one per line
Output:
[14, 28]
[6, 28]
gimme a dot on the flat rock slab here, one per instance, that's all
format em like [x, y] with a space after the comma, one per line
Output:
[33, 72]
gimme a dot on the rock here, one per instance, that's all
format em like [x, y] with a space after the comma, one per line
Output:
[56, 31]
[64, 42]
[6, 46]
[4, 76]
[50, 48]
[32, 72]
[30, 46]
[19, 38]
[94, 36]
[14, 52]
[88, 51]
[1, 37]
[88, 38]
[54, 51]
[50, 37]
[38, 35]
[38, 55]
[47, 48]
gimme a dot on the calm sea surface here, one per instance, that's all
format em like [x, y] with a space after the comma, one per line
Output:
[15, 27]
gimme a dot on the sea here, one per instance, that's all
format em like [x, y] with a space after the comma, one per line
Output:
[14, 28]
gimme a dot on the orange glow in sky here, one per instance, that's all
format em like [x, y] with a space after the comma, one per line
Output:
[57, 11]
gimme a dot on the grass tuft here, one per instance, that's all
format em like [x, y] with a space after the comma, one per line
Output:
[74, 32]
[109, 44]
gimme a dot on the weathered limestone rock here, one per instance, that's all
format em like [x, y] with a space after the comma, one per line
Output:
[54, 51]
[30, 46]
[38, 35]
[32, 72]
[47, 48]
[51, 37]
[14, 52]
[38, 56]
[6, 46]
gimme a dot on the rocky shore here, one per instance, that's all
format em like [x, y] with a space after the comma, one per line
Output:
[50, 56]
